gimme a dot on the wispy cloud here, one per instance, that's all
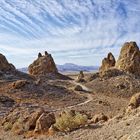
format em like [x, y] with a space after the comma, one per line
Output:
[80, 31]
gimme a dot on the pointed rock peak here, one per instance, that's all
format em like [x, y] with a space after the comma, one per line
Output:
[43, 65]
[46, 53]
[39, 55]
[80, 77]
[110, 57]
[129, 58]
[107, 63]
[5, 65]
[129, 47]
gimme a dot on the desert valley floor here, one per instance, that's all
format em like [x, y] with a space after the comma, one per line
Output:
[47, 105]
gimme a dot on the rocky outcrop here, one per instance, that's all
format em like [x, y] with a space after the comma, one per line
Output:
[129, 59]
[44, 122]
[128, 62]
[5, 65]
[112, 72]
[22, 120]
[80, 77]
[9, 72]
[43, 65]
[107, 63]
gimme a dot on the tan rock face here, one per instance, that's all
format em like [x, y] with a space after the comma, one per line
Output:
[107, 63]
[5, 65]
[43, 65]
[34, 117]
[44, 122]
[129, 59]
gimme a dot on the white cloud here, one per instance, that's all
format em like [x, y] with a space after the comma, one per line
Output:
[72, 30]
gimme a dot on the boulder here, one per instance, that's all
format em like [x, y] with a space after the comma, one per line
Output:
[34, 117]
[99, 117]
[44, 122]
[78, 88]
[22, 119]
[129, 58]
[43, 65]
[19, 84]
[107, 63]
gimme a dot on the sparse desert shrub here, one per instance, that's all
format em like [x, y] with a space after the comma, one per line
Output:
[80, 119]
[19, 127]
[135, 101]
[8, 126]
[68, 121]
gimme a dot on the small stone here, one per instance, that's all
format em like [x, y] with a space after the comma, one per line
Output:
[78, 88]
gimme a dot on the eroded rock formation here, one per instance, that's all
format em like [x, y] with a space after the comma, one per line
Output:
[107, 63]
[129, 59]
[80, 77]
[22, 120]
[5, 65]
[44, 122]
[44, 64]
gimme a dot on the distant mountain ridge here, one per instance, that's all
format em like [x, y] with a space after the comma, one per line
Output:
[73, 67]
[69, 67]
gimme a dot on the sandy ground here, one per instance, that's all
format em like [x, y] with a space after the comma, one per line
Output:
[93, 103]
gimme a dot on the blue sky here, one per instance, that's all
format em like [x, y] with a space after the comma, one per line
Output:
[77, 31]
